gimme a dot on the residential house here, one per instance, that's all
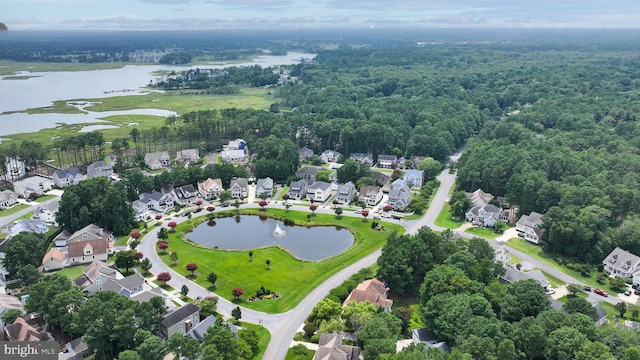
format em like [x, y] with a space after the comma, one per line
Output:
[428, 337]
[401, 162]
[26, 330]
[362, 158]
[185, 195]
[95, 277]
[330, 348]
[61, 239]
[370, 195]
[140, 211]
[238, 187]
[187, 156]
[53, 260]
[298, 189]
[27, 226]
[482, 213]
[180, 321]
[128, 287]
[237, 144]
[234, 156]
[8, 302]
[7, 199]
[319, 191]
[304, 154]
[66, 177]
[47, 213]
[330, 156]
[264, 187]
[387, 161]
[529, 227]
[512, 275]
[383, 180]
[15, 169]
[346, 193]
[198, 331]
[85, 251]
[90, 231]
[308, 172]
[416, 160]
[99, 168]
[32, 185]
[601, 317]
[157, 160]
[414, 178]
[210, 189]
[621, 263]
[399, 195]
[373, 291]
[76, 349]
[157, 201]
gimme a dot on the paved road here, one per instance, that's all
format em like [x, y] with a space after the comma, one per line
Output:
[6, 220]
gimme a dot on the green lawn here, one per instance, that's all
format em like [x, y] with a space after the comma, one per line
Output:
[166, 287]
[483, 232]
[290, 277]
[72, 272]
[12, 210]
[44, 198]
[291, 356]
[263, 334]
[554, 281]
[122, 240]
[444, 218]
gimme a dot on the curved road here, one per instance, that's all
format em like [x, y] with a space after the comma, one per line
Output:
[283, 326]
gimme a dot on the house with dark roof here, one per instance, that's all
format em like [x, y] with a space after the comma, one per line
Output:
[529, 227]
[621, 263]
[7, 199]
[180, 321]
[157, 160]
[373, 291]
[346, 193]
[26, 330]
[99, 168]
[157, 201]
[185, 195]
[298, 189]
[187, 156]
[238, 187]
[87, 250]
[8, 302]
[127, 287]
[482, 213]
[601, 314]
[387, 161]
[308, 172]
[362, 158]
[330, 348]
[66, 177]
[76, 349]
[210, 188]
[90, 231]
[512, 275]
[319, 191]
[198, 331]
[428, 337]
[95, 276]
[304, 154]
[370, 195]
[264, 187]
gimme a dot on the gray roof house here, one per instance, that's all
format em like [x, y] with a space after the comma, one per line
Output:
[298, 189]
[427, 336]
[512, 275]
[387, 161]
[34, 184]
[127, 287]
[27, 226]
[187, 156]
[264, 187]
[330, 156]
[185, 195]
[7, 199]
[198, 331]
[238, 187]
[362, 158]
[66, 177]
[621, 263]
[370, 195]
[601, 314]
[399, 196]
[482, 213]
[330, 348]
[99, 168]
[414, 178]
[529, 227]
[180, 321]
[346, 193]
[304, 154]
[157, 201]
[308, 172]
[95, 276]
[319, 191]
[157, 160]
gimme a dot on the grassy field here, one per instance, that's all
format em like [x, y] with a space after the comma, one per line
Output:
[44, 198]
[291, 356]
[72, 272]
[290, 277]
[12, 210]
[444, 218]
[9, 67]
[483, 232]
[554, 281]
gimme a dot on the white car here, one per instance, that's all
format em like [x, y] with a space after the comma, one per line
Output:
[549, 291]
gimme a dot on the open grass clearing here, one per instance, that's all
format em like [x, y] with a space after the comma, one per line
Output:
[290, 277]
[554, 281]
[44, 198]
[444, 218]
[292, 356]
[12, 210]
[71, 272]
[483, 232]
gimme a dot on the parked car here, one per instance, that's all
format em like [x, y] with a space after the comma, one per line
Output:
[601, 292]
[197, 210]
[636, 292]
[628, 292]
[549, 291]
[586, 288]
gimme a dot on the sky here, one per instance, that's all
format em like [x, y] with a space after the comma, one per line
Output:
[319, 14]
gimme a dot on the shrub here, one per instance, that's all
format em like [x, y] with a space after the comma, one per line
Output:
[136, 234]
[315, 338]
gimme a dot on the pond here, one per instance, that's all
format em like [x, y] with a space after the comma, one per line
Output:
[250, 232]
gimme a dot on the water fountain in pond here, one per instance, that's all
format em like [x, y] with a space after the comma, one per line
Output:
[279, 232]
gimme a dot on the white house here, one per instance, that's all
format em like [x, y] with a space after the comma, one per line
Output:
[483, 213]
[414, 178]
[399, 195]
[187, 156]
[32, 185]
[319, 191]
[233, 156]
[157, 160]
[387, 161]
[66, 177]
[264, 187]
[157, 201]
[237, 144]
[140, 210]
[185, 195]
[346, 193]
[370, 195]
[99, 168]
[53, 260]
[27, 225]
[362, 158]
[46, 213]
[7, 199]
[210, 188]
[238, 188]
[298, 189]
[328, 156]
[621, 263]
[528, 227]
[304, 154]
[15, 169]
